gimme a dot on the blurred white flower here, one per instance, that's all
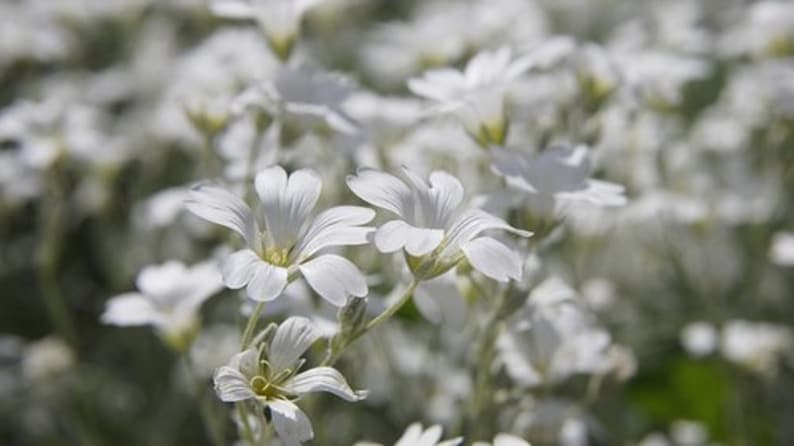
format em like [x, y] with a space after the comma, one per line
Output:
[782, 252]
[280, 20]
[689, 433]
[432, 229]
[168, 298]
[415, 435]
[553, 338]
[699, 338]
[270, 375]
[45, 359]
[504, 440]
[292, 239]
[755, 345]
[476, 94]
[302, 97]
[559, 173]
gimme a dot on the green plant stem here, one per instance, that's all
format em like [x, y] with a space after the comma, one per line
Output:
[335, 351]
[242, 412]
[484, 354]
[49, 249]
[250, 327]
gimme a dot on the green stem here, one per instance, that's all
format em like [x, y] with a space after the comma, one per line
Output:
[389, 312]
[484, 354]
[242, 412]
[334, 352]
[51, 220]
[250, 327]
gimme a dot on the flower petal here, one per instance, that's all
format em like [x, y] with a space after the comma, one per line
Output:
[398, 234]
[493, 259]
[267, 282]
[247, 362]
[509, 440]
[232, 9]
[334, 278]
[292, 338]
[324, 379]
[470, 224]
[287, 201]
[231, 385]
[204, 279]
[438, 200]
[292, 425]
[161, 281]
[382, 190]
[224, 208]
[337, 226]
[130, 309]
[238, 269]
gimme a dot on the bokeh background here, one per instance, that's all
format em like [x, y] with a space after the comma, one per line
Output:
[694, 276]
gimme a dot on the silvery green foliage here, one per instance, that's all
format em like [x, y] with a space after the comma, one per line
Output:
[502, 222]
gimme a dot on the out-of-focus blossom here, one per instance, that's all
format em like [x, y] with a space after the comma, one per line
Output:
[45, 359]
[476, 95]
[755, 345]
[303, 97]
[782, 251]
[699, 338]
[168, 298]
[504, 440]
[280, 20]
[415, 435]
[557, 174]
[553, 338]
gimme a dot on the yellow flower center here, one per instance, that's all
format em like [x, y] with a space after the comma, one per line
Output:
[276, 256]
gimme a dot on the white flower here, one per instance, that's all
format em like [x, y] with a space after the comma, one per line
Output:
[476, 95]
[415, 435]
[699, 338]
[303, 97]
[292, 241]
[45, 359]
[782, 252]
[431, 228]
[279, 19]
[555, 339]
[755, 345]
[504, 440]
[270, 375]
[168, 298]
[557, 173]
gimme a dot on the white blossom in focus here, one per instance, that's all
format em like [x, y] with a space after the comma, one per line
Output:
[292, 241]
[270, 374]
[432, 228]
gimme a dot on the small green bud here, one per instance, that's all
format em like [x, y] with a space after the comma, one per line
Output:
[352, 317]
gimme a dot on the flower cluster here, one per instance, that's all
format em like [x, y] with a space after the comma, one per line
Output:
[508, 222]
